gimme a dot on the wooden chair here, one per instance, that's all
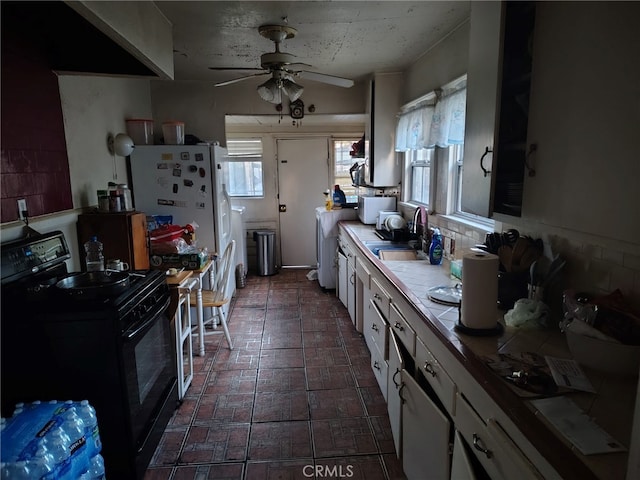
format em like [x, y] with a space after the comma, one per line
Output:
[219, 295]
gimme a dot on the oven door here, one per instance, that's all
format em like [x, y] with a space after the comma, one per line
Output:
[149, 368]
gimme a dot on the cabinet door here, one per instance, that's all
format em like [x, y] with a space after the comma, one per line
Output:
[139, 242]
[425, 433]
[394, 404]
[461, 463]
[485, 38]
[342, 278]
[351, 290]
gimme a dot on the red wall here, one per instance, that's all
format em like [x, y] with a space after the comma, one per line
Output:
[34, 163]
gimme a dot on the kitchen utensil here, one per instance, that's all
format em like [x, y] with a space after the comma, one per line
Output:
[92, 285]
[446, 295]
[555, 267]
[512, 236]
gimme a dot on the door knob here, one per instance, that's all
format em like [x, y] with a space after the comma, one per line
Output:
[282, 208]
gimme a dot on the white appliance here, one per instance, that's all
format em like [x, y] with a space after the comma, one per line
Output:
[327, 242]
[185, 181]
[369, 206]
[382, 216]
[239, 234]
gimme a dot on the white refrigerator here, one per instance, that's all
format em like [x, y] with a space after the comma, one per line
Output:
[187, 182]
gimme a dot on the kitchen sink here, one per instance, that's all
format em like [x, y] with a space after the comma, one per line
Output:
[378, 246]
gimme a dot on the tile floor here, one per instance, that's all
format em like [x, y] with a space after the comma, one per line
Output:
[294, 399]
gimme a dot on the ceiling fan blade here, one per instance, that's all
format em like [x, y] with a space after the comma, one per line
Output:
[235, 80]
[241, 69]
[324, 78]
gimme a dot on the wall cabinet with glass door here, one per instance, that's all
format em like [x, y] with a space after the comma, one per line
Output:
[498, 89]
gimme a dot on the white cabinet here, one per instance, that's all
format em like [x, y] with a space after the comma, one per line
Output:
[498, 88]
[425, 434]
[394, 402]
[343, 277]
[437, 377]
[461, 462]
[382, 164]
[496, 451]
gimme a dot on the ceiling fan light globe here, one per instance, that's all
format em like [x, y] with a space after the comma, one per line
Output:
[292, 89]
[270, 91]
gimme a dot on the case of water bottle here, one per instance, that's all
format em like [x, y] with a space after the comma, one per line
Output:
[51, 440]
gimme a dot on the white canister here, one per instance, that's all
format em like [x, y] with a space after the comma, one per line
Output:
[173, 133]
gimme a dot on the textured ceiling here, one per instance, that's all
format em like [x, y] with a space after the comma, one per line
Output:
[342, 38]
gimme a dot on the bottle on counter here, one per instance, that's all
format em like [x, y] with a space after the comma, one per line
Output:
[339, 197]
[436, 248]
[94, 256]
[125, 192]
[328, 203]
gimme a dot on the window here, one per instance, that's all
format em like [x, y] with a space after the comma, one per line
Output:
[420, 176]
[243, 171]
[342, 163]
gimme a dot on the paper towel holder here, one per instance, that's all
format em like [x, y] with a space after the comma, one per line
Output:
[476, 332]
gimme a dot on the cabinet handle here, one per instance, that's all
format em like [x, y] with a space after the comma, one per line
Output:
[399, 326]
[429, 369]
[393, 379]
[376, 365]
[479, 447]
[352, 279]
[487, 150]
[377, 297]
[374, 327]
[402, 400]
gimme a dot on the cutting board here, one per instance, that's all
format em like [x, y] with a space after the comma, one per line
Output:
[398, 255]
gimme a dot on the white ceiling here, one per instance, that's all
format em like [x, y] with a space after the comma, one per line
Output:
[343, 38]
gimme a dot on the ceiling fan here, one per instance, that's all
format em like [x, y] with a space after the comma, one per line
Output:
[282, 67]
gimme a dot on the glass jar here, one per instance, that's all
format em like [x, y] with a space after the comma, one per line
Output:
[127, 203]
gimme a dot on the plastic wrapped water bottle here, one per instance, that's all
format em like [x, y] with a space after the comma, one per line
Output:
[42, 464]
[96, 469]
[95, 258]
[15, 471]
[57, 443]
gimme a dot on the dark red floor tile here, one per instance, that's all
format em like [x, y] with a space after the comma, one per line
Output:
[324, 378]
[225, 471]
[342, 436]
[236, 359]
[154, 473]
[231, 381]
[215, 442]
[280, 470]
[327, 339]
[231, 407]
[282, 358]
[183, 415]
[168, 449]
[280, 406]
[381, 428]
[369, 467]
[341, 403]
[281, 340]
[280, 440]
[394, 467]
[363, 374]
[374, 402]
[325, 357]
[281, 379]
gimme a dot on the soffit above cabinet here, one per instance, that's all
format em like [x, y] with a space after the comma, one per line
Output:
[85, 38]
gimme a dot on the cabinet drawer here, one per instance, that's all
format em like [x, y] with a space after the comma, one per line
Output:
[501, 458]
[363, 273]
[437, 377]
[375, 329]
[399, 326]
[380, 369]
[380, 297]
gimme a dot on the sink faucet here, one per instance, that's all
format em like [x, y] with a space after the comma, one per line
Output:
[420, 226]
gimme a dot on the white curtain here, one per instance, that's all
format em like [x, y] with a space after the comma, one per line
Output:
[413, 129]
[447, 126]
[429, 126]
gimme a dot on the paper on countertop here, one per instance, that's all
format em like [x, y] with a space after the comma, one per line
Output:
[567, 373]
[576, 426]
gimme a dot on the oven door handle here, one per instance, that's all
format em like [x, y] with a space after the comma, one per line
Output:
[132, 332]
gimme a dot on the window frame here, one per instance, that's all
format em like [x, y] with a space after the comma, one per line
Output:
[247, 154]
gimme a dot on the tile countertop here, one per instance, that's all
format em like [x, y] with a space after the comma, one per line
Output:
[612, 407]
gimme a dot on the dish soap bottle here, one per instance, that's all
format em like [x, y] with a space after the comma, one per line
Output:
[328, 204]
[436, 249]
[339, 197]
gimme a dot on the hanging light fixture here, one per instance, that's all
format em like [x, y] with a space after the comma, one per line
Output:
[271, 90]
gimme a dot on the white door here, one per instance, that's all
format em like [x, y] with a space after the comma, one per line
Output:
[303, 176]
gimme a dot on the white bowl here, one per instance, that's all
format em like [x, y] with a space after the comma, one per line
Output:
[604, 356]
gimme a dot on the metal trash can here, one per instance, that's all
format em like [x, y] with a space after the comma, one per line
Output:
[265, 251]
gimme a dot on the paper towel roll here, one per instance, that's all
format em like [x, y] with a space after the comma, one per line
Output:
[479, 290]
